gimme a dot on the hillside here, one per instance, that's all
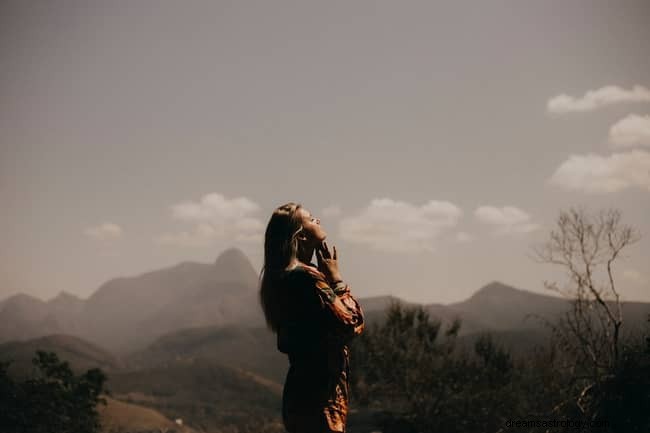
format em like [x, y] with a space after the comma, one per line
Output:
[127, 313]
[252, 349]
[80, 354]
[204, 393]
[122, 417]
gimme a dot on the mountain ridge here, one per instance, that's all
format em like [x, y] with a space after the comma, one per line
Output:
[128, 313]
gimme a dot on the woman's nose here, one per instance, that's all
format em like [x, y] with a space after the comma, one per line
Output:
[318, 221]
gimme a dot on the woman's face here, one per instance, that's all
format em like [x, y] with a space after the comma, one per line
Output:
[312, 230]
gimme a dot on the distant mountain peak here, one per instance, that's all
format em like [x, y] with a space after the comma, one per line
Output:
[497, 287]
[23, 298]
[234, 261]
[231, 255]
[64, 296]
[497, 290]
[499, 293]
[233, 265]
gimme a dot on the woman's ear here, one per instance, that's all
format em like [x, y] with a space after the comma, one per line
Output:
[301, 236]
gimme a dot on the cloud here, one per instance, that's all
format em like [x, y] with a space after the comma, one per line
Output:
[603, 174]
[634, 275]
[396, 226]
[630, 131]
[506, 220]
[333, 211]
[214, 207]
[595, 99]
[215, 217]
[104, 232]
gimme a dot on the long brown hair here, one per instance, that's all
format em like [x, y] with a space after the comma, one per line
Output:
[280, 248]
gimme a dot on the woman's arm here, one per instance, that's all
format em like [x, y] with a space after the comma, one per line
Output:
[341, 312]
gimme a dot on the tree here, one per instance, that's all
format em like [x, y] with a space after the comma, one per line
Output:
[587, 246]
[415, 376]
[53, 400]
[402, 363]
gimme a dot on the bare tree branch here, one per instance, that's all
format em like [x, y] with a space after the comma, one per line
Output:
[587, 246]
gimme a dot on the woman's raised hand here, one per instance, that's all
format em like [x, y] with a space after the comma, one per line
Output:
[327, 263]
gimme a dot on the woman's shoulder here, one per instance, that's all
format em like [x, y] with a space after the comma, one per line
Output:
[305, 275]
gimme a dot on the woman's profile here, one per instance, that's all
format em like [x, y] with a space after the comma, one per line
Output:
[311, 310]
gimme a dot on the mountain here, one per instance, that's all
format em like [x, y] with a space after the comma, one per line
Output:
[494, 307]
[128, 313]
[499, 307]
[80, 354]
[119, 416]
[23, 316]
[66, 304]
[251, 348]
[374, 309]
[204, 393]
[198, 348]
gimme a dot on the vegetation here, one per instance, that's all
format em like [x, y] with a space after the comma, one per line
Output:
[53, 400]
[409, 373]
[416, 377]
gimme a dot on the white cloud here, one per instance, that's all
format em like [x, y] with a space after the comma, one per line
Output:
[595, 99]
[214, 207]
[215, 217]
[464, 237]
[634, 275]
[104, 232]
[396, 226]
[630, 131]
[506, 220]
[333, 211]
[601, 174]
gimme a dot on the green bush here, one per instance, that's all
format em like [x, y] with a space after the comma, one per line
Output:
[54, 400]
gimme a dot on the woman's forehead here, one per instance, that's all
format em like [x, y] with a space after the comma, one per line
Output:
[304, 212]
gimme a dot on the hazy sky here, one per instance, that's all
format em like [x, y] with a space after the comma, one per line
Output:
[437, 141]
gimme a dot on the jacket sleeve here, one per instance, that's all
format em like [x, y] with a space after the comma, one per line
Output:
[342, 315]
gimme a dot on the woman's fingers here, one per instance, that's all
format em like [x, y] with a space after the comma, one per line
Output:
[319, 256]
[334, 248]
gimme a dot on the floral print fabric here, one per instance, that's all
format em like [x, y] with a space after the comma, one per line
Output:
[320, 322]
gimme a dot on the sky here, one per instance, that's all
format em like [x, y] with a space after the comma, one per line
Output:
[437, 141]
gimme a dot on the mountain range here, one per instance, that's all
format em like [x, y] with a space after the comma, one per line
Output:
[127, 314]
[189, 341]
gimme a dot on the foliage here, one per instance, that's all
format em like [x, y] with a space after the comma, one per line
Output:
[412, 367]
[418, 378]
[53, 400]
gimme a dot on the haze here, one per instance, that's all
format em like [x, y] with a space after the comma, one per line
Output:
[437, 141]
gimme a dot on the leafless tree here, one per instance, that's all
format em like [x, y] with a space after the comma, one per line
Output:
[587, 246]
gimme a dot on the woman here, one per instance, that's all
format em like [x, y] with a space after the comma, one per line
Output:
[314, 315]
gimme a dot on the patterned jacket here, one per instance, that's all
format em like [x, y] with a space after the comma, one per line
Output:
[320, 322]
